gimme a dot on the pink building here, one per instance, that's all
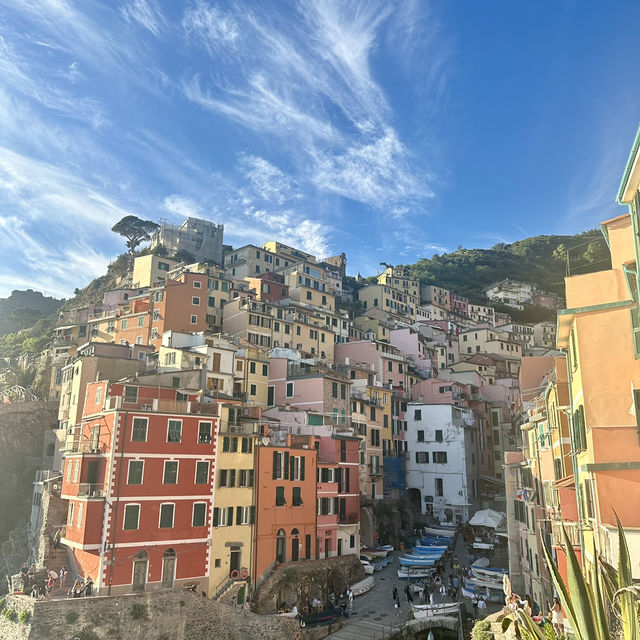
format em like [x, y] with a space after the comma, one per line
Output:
[414, 346]
[388, 363]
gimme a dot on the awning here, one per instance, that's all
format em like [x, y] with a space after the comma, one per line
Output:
[488, 518]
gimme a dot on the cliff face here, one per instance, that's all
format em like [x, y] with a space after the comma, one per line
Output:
[22, 429]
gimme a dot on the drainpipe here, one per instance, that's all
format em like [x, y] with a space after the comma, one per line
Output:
[574, 453]
[115, 516]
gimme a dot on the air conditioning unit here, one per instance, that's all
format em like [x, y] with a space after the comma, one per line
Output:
[232, 428]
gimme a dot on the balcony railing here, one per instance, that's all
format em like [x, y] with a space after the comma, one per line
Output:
[84, 446]
[91, 490]
[572, 529]
[348, 518]
[240, 428]
[375, 470]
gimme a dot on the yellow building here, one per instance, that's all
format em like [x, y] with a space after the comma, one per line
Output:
[102, 327]
[309, 285]
[234, 505]
[150, 270]
[251, 379]
[394, 301]
[599, 333]
[398, 279]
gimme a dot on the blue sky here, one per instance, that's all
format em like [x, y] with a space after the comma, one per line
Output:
[388, 130]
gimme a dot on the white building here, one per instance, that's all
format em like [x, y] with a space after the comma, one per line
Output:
[510, 292]
[442, 465]
[201, 238]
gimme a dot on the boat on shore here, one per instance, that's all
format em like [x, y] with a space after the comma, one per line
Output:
[477, 582]
[443, 533]
[494, 596]
[417, 562]
[374, 553]
[363, 586]
[488, 573]
[318, 618]
[428, 610]
[406, 573]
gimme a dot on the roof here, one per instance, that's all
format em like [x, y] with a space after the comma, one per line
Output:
[629, 167]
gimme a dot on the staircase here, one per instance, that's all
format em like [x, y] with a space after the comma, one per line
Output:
[53, 561]
[229, 593]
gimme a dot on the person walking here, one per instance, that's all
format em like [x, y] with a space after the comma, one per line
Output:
[350, 598]
[482, 607]
[407, 593]
[32, 573]
[474, 603]
[396, 599]
[63, 575]
[24, 573]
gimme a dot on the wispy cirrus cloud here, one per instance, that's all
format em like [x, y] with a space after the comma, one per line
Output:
[146, 14]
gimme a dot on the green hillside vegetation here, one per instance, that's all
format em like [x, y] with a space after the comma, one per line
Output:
[540, 260]
[22, 309]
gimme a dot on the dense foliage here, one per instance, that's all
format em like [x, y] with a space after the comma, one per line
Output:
[540, 260]
[22, 309]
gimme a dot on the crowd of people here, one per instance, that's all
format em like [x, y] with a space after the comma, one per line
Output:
[40, 588]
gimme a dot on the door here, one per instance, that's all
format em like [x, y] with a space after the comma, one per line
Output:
[168, 571]
[139, 575]
[92, 471]
[234, 561]
[294, 549]
[339, 546]
[327, 542]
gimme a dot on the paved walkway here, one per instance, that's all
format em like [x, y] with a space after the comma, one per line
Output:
[373, 615]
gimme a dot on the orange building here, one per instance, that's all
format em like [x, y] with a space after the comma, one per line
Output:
[179, 305]
[285, 497]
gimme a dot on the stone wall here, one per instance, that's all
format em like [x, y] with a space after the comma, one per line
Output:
[170, 615]
[54, 517]
[300, 581]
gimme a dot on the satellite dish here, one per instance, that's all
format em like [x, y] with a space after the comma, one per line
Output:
[265, 441]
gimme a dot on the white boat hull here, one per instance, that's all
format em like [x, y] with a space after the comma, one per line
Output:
[443, 533]
[363, 586]
[427, 610]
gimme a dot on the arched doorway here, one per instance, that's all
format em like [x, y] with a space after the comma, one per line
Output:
[140, 563]
[281, 546]
[415, 500]
[295, 543]
[168, 568]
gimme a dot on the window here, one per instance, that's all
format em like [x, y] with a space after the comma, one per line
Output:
[246, 445]
[136, 469]
[439, 457]
[296, 499]
[417, 414]
[197, 284]
[202, 472]
[79, 518]
[253, 390]
[72, 506]
[223, 516]
[166, 516]
[343, 391]
[289, 389]
[422, 457]
[199, 514]
[204, 432]
[420, 435]
[131, 395]
[438, 435]
[141, 321]
[246, 478]
[170, 475]
[174, 431]
[69, 467]
[334, 389]
[439, 487]
[280, 499]
[194, 319]
[76, 470]
[123, 323]
[372, 412]
[265, 370]
[131, 516]
[195, 300]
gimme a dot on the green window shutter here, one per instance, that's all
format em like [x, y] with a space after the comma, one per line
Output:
[252, 515]
[286, 465]
[238, 515]
[302, 461]
[292, 461]
[276, 458]
[225, 444]
[229, 516]
[250, 478]
[346, 478]
[635, 330]
[232, 478]
[216, 516]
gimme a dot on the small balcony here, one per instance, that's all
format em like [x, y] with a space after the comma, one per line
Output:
[375, 470]
[239, 428]
[348, 518]
[91, 490]
[572, 529]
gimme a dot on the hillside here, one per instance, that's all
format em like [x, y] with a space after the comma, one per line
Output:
[540, 260]
[22, 309]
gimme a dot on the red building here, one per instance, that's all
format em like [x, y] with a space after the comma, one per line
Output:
[138, 476]
[459, 304]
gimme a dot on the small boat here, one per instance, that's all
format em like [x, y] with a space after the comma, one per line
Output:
[481, 562]
[387, 547]
[414, 572]
[318, 618]
[367, 566]
[428, 610]
[420, 548]
[490, 573]
[363, 586]
[494, 596]
[417, 562]
[483, 545]
[476, 582]
[376, 553]
[444, 533]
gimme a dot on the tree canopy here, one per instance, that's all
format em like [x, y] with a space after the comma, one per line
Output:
[135, 230]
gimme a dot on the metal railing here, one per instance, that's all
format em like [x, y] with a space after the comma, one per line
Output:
[91, 490]
[348, 518]
[239, 428]
[572, 529]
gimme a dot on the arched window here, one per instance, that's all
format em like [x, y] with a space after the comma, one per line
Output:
[295, 544]
[281, 546]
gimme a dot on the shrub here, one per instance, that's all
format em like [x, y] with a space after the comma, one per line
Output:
[71, 617]
[87, 633]
[24, 616]
[482, 631]
[484, 635]
[138, 611]
[10, 614]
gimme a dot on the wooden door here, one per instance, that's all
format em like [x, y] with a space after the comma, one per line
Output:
[139, 575]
